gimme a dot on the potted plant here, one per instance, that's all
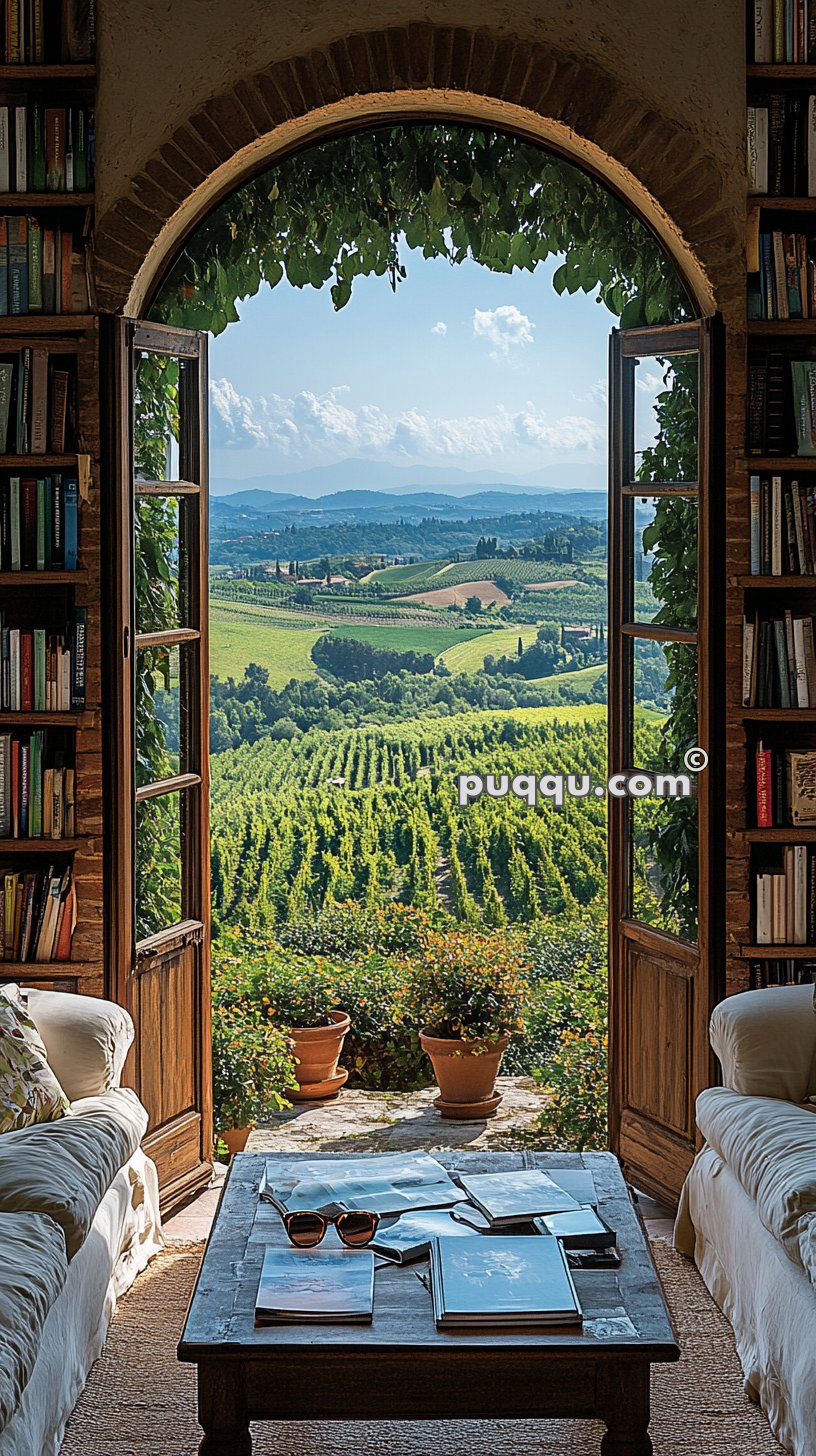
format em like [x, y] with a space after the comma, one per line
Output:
[299, 994]
[470, 992]
[253, 1071]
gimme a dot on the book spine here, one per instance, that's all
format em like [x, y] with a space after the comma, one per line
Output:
[755, 530]
[764, 798]
[55, 148]
[23, 399]
[777, 158]
[15, 524]
[37, 147]
[71, 521]
[20, 149]
[66, 275]
[35, 267]
[79, 634]
[763, 32]
[18, 264]
[59, 410]
[757, 406]
[39, 401]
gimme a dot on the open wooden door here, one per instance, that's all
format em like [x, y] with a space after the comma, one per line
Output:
[158, 895]
[664, 656]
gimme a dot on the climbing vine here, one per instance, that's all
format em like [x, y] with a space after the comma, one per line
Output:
[362, 205]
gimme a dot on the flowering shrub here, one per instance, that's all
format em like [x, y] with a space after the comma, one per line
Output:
[252, 1067]
[471, 986]
[382, 1050]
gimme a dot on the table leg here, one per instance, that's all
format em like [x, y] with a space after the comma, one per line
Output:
[222, 1411]
[625, 1408]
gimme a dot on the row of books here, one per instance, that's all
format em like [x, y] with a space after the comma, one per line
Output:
[46, 148]
[44, 672]
[35, 399]
[781, 973]
[783, 32]
[36, 795]
[786, 899]
[781, 139]
[783, 527]
[785, 786]
[47, 32]
[38, 912]
[39, 522]
[42, 269]
[781, 405]
[778, 662]
[784, 287]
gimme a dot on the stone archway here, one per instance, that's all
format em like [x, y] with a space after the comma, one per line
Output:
[426, 71]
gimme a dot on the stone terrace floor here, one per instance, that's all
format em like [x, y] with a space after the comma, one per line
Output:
[384, 1122]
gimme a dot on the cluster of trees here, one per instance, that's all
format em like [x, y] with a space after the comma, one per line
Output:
[554, 650]
[568, 542]
[241, 542]
[356, 661]
[249, 710]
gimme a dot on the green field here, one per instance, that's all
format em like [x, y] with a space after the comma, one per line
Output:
[438, 640]
[433, 575]
[582, 679]
[469, 656]
[239, 636]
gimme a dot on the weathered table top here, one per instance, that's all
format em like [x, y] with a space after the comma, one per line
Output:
[625, 1313]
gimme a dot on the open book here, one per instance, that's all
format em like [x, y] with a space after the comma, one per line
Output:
[385, 1183]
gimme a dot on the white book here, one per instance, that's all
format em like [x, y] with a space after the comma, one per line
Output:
[5, 151]
[763, 32]
[800, 661]
[776, 525]
[758, 148]
[800, 894]
[20, 149]
[764, 910]
[779, 929]
[790, 891]
[798, 526]
[508, 1198]
[14, 521]
[811, 146]
[65, 681]
[747, 660]
[755, 525]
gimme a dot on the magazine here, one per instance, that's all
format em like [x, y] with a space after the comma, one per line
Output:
[508, 1198]
[315, 1285]
[481, 1280]
[584, 1229]
[411, 1236]
[384, 1183]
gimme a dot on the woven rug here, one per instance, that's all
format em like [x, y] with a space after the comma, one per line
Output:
[140, 1401]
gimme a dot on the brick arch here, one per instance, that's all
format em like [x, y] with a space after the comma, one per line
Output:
[421, 70]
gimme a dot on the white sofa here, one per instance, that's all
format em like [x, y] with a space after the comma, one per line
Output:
[79, 1218]
[748, 1209]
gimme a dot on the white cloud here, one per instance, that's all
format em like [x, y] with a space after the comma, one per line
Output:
[506, 327]
[439, 328]
[310, 425]
[648, 381]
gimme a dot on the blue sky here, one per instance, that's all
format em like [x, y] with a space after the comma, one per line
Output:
[461, 367]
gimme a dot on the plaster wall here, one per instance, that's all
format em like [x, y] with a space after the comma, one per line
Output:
[159, 63]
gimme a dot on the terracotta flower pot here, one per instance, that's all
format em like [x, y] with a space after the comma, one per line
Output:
[236, 1139]
[317, 1052]
[466, 1073]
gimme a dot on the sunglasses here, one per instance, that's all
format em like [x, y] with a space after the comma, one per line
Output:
[306, 1230]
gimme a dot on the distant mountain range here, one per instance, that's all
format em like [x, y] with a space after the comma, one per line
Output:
[258, 510]
[368, 475]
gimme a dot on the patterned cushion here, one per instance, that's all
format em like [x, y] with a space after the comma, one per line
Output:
[29, 1091]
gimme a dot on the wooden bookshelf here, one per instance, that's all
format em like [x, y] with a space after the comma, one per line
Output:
[783, 834]
[755, 952]
[774, 583]
[76, 335]
[766, 72]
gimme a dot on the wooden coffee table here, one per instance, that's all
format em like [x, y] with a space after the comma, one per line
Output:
[401, 1367]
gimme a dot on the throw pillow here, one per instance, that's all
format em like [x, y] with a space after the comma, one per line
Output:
[29, 1091]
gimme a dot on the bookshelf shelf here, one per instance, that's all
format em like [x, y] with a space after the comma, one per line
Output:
[778, 952]
[48, 720]
[70, 73]
[791, 72]
[43, 578]
[779, 715]
[47, 323]
[43, 846]
[779, 462]
[786, 834]
[774, 583]
[782, 204]
[784, 328]
[47, 970]
[34, 201]
[32, 463]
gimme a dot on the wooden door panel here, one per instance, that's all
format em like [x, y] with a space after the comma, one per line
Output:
[658, 998]
[662, 986]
